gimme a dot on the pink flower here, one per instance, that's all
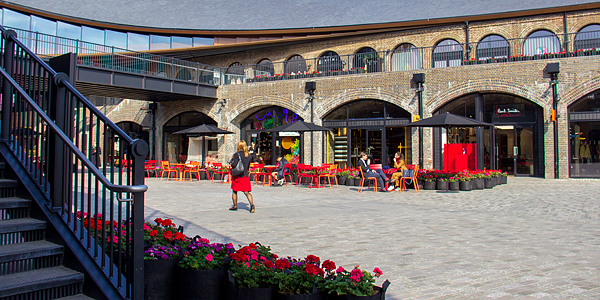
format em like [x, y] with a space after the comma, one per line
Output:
[115, 239]
[254, 256]
[209, 257]
[377, 272]
[340, 269]
[356, 275]
[146, 227]
[247, 265]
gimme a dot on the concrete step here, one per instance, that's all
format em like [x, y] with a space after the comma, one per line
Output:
[65, 281]
[29, 256]
[14, 202]
[21, 225]
[76, 297]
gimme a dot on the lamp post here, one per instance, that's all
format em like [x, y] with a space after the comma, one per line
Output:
[309, 88]
[553, 69]
[419, 78]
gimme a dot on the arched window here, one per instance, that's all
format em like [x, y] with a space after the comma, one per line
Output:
[295, 64]
[587, 38]
[234, 73]
[541, 42]
[447, 53]
[329, 61]
[406, 57]
[265, 67]
[493, 46]
[176, 146]
[368, 59]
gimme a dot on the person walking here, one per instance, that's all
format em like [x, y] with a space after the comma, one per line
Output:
[241, 183]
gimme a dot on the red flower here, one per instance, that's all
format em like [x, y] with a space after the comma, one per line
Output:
[282, 264]
[252, 246]
[180, 236]
[314, 270]
[153, 233]
[269, 264]
[312, 259]
[168, 235]
[329, 265]
[167, 223]
[158, 221]
[239, 257]
[377, 272]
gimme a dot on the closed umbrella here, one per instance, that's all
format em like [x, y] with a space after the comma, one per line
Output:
[447, 121]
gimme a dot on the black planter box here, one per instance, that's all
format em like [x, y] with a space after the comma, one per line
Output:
[454, 185]
[477, 183]
[465, 186]
[441, 185]
[158, 279]
[350, 182]
[489, 183]
[429, 185]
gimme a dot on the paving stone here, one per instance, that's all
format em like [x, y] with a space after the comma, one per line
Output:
[538, 238]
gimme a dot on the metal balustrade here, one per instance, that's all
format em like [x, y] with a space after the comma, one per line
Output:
[54, 132]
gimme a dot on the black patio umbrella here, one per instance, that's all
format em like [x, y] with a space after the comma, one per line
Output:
[203, 130]
[447, 120]
[301, 126]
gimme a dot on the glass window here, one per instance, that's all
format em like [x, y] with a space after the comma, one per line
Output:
[68, 31]
[368, 59]
[340, 113]
[447, 53]
[271, 117]
[493, 46]
[116, 39]
[202, 41]
[181, 42]
[406, 57]
[365, 109]
[138, 42]
[43, 26]
[158, 42]
[295, 64]
[92, 35]
[589, 103]
[588, 38]
[541, 42]
[265, 67]
[329, 61]
[234, 73]
[16, 20]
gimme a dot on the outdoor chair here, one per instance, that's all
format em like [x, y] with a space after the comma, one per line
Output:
[287, 171]
[150, 166]
[217, 169]
[363, 179]
[412, 179]
[329, 172]
[259, 170]
[306, 171]
[166, 167]
[192, 168]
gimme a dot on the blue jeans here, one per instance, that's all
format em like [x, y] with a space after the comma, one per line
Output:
[380, 178]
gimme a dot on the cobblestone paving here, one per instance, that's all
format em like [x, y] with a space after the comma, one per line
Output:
[530, 239]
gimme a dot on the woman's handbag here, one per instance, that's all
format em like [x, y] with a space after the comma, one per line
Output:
[239, 168]
[408, 173]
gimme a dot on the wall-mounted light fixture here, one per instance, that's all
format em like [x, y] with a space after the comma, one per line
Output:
[553, 69]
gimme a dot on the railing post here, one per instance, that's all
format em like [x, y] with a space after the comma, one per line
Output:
[58, 163]
[139, 149]
[9, 52]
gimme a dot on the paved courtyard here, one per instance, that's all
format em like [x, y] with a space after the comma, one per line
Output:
[530, 239]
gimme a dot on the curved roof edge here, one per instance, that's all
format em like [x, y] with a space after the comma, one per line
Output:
[300, 30]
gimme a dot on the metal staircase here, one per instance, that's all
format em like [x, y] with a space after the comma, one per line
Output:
[30, 266]
[47, 180]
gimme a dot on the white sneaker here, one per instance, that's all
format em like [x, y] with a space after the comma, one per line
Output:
[391, 188]
[280, 182]
[398, 189]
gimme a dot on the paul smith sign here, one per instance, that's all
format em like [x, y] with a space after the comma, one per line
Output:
[508, 110]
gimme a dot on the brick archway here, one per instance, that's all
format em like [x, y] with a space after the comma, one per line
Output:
[239, 113]
[405, 100]
[577, 92]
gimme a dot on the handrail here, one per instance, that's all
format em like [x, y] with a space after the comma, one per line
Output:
[109, 185]
[13, 37]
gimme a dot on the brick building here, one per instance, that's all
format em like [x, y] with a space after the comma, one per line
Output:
[496, 66]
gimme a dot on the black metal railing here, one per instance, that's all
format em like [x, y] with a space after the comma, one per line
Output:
[408, 57]
[90, 170]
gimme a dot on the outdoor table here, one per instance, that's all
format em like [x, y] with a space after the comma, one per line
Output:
[269, 169]
[180, 168]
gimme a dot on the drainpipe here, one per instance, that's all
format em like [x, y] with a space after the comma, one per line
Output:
[467, 45]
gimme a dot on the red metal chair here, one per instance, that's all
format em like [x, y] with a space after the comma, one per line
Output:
[306, 171]
[150, 166]
[363, 179]
[165, 167]
[193, 168]
[288, 168]
[259, 170]
[328, 172]
[413, 179]
[219, 169]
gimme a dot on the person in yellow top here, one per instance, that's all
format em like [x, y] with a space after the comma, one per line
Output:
[400, 165]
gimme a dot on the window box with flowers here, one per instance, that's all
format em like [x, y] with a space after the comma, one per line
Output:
[252, 273]
[356, 284]
[465, 182]
[453, 183]
[299, 279]
[442, 184]
[343, 176]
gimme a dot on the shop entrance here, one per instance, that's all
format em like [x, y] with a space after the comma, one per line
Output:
[514, 149]
[368, 140]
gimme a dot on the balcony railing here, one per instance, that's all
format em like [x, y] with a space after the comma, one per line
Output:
[408, 57]
[118, 59]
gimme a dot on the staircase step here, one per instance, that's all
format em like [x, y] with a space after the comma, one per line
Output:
[29, 256]
[76, 297]
[8, 183]
[66, 281]
[14, 202]
[20, 225]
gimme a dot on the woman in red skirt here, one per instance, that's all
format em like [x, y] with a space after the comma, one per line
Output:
[241, 183]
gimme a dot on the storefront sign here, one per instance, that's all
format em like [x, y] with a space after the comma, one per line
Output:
[508, 110]
[289, 133]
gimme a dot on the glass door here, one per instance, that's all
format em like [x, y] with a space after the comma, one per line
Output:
[505, 149]
[524, 151]
[374, 145]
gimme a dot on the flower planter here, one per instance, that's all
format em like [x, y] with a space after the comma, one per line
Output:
[379, 294]
[199, 284]
[429, 185]
[237, 293]
[342, 180]
[217, 176]
[202, 175]
[465, 186]
[441, 185]
[502, 180]
[357, 181]
[158, 279]
[294, 177]
[210, 174]
[314, 296]
[350, 182]
[454, 185]
[489, 183]
[477, 184]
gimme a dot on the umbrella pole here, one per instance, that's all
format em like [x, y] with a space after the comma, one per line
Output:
[203, 150]
[447, 163]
